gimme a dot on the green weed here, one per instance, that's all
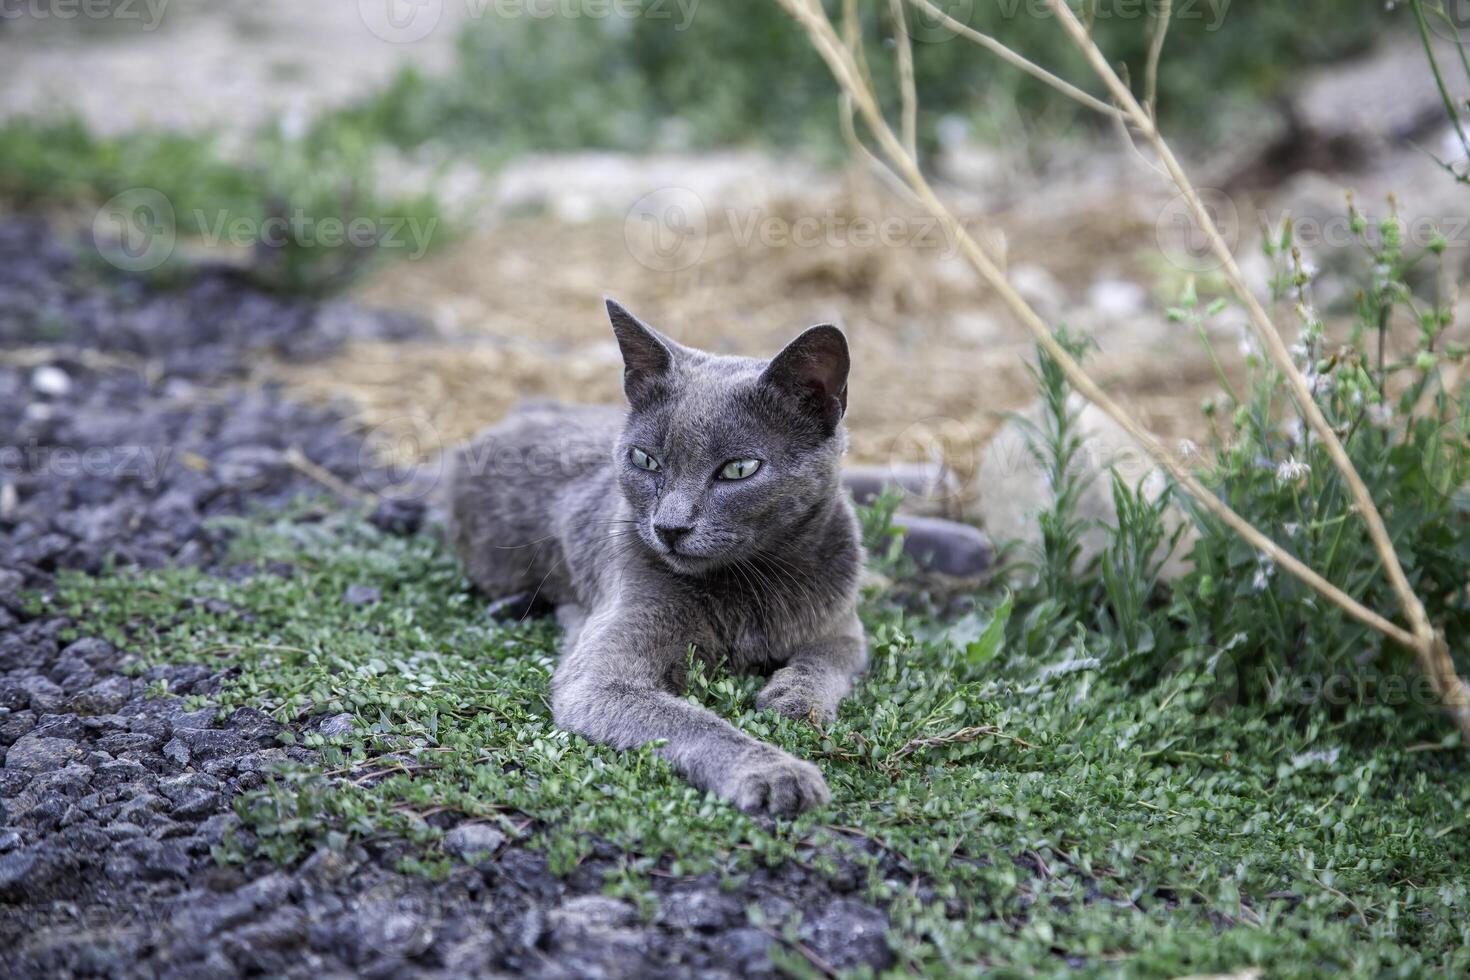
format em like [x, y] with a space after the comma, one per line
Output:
[1010, 819]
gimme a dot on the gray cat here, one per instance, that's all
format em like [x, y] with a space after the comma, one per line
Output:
[711, 514]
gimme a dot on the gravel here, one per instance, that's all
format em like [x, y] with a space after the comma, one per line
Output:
[134, 424]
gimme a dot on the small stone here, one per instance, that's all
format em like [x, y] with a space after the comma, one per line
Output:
[11, 582]
[156, 860]
[207, 743]
[591, 913]
[45, 697]
[143, 809]
[392, 516]
[215, 828]
[745, 949]
[473, 841]
[203, 718]
[117, 772]
[176, 752]
[847, 933]
[24, 873]
[338, 725]
[361, 595]
[13, 697]
[705, 909]
[41, 551]
[385, 929]
[16, 724]
[178, 787]
[41, 754]
[196, 804]
[51, 381]
[1117, 297]
[13, 782]
[120, 742]
[92, 650]
[69, 727]
[122, 830]
[103, 697]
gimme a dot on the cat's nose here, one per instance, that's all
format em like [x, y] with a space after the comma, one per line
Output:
[670, 535]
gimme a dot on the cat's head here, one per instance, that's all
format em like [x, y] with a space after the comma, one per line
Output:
[723, 457]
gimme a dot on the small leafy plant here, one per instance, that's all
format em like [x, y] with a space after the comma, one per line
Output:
[1378, 376]
[306, 211]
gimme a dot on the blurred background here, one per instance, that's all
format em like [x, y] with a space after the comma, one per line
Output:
[491, 168]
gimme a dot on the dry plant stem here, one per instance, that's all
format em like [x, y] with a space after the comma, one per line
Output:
[1430, 649]
[1012, 58]
[1259, 319]
[910, 111]
[1433, 653]
[1155, 52]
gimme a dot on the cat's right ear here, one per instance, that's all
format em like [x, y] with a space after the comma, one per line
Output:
[647, 357]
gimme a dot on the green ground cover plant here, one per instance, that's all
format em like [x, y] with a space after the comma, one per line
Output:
[1044, 816]
[1265, 636]
[699, 75]
[308, 213]
[1098, 772]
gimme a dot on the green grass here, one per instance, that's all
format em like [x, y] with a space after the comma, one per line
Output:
[308, 213]
[1175, 838]
[734, 74]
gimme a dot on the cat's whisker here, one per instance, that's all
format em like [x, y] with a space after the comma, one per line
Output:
[787, 573]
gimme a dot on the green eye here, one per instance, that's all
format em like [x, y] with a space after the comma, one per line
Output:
[644, 461]
[739, 469]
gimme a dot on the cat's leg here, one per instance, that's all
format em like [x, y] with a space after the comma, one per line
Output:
[613, 686]
[817, 676]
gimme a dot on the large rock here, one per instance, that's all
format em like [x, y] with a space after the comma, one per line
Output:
[1012, 487]
[38, 753]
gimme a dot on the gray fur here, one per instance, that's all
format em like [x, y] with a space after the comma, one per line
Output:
[763, 572]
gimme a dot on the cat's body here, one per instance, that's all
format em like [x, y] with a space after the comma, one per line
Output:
[710, 514]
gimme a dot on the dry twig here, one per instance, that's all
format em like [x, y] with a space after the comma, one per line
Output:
[1430, 648]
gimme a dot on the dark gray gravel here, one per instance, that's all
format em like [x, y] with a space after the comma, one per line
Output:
[124, 423]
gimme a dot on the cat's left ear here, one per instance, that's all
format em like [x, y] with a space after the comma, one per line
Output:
[647, 357]
[814, 367]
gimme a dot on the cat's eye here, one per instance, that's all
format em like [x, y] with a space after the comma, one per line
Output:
[644, 461]
[739, 469]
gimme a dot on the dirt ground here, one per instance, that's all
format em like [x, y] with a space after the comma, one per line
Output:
[936, 363]
[736, 251]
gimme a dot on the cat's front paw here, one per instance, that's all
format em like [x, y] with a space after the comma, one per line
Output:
[774, 782]
[789, 693]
